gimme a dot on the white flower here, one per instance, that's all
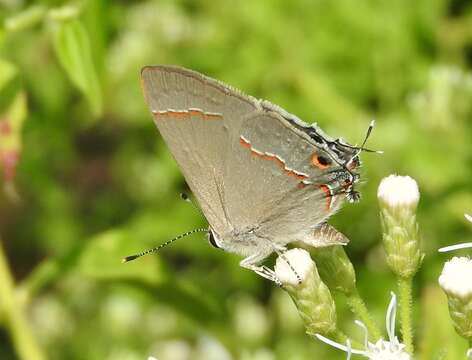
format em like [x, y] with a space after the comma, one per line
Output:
[456, 273]
[398, 198]
[455, 277]
[382, 349]
[293, 267]
[455, 281]
[458, 246]
[398, 191]
[297, 273]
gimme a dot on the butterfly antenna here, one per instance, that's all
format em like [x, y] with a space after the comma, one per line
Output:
[157, 248]
[367, 135]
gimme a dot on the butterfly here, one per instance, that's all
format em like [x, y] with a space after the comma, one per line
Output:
[262, 177]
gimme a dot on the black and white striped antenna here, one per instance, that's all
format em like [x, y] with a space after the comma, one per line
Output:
[168, 242]
[186, 198]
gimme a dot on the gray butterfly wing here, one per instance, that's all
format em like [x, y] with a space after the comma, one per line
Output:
[246, 166]
[272, 184]
[197, 116]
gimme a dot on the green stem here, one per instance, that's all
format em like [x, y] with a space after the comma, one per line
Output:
[405, 301]
[14, 319]
[358, 308]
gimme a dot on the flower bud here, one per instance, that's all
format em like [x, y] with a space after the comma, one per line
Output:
[336, 269]
[456, 283]
[299, 276]
[398, 198]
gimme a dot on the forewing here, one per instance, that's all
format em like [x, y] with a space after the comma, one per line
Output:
[197, 117]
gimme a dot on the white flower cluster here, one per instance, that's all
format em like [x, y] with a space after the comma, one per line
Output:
[380, 350]
[457, 272]
[455, 281]
[455, 277]
[399, 191]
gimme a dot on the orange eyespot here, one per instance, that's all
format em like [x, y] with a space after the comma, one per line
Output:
[320, 161]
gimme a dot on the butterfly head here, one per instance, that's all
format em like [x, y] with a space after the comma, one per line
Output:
[347, 157]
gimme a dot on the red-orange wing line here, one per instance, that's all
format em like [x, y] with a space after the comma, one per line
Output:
[264, 156]
[180, 114]
[328, 195]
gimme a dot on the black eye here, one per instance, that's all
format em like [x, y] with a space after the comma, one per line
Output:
[212, 240]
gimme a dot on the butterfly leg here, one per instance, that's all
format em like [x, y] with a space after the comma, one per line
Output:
[280, 250]
[250, 263]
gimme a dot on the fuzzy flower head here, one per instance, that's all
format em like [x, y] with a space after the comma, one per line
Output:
[455, 277]
[455, 281]
[398, 191]
[380, 350]
[398, 198]
[298, 275]
[293, 267]
[457, 272]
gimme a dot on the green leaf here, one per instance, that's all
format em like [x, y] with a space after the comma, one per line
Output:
[101, 259]
[25, 19]
[72, 46]
[7, 72]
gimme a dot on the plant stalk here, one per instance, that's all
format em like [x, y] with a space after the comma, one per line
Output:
[359, 309]
[405, 301]
[13, 317]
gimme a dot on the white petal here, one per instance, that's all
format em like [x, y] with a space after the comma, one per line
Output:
[339, 346]
[397, 190]
[390, 317]
[455, 247]
[366, 332]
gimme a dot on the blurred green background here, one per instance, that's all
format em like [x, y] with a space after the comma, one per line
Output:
[94, 181]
